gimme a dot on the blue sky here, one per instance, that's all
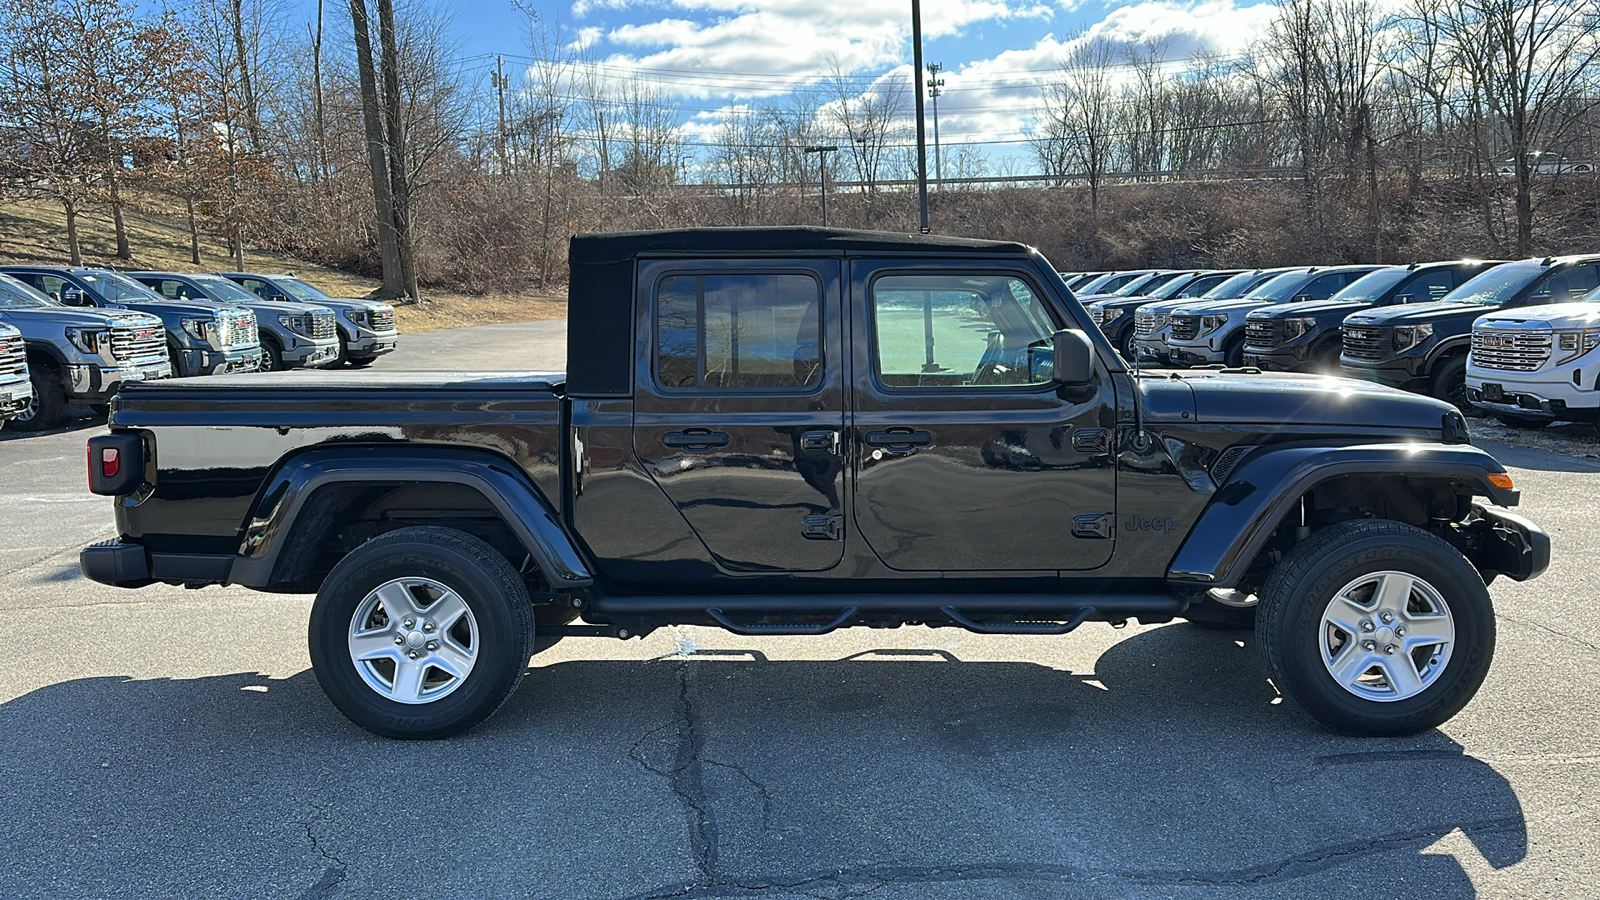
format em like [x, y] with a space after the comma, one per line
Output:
[713, 55]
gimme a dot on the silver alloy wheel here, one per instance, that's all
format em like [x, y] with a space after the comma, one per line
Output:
[413, 640]
[31, 410]
[1386, 636]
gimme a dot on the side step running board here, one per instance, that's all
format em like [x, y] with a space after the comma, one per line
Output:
[756, 629]
[951, 613]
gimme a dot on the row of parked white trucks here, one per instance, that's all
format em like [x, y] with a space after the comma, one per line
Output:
[1514, 339]
[72, 335]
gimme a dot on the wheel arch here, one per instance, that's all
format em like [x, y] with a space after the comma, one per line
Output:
[1448, 348]
[1415, 483]
[327, 501]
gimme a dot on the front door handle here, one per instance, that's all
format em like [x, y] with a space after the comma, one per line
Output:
[899, 438]
[695, 439]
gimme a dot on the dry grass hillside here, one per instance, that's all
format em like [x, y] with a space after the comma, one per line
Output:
[34, 231]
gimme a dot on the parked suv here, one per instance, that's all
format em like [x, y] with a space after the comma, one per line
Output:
[1306, 337]
[293, 335]
[1152, 322]
[15, 389]
[1115, 317]
[79, 355]
[1532, 367]
[1213, 332]
[366, 327]
[1423, 346]
[203, 338]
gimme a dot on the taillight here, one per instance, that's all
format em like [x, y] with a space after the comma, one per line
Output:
[116, 464]
[110, 462]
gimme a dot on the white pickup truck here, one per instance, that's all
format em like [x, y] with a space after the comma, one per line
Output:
[1535, 365]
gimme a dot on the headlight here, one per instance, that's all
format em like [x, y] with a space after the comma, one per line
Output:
[90, 340]
[1576, 343]
[1162, 319]
[1209, 324]
[296, 324]
[356, 316]
[1111, 315]
[1293, 328]
[203, 330]
[1408, 336]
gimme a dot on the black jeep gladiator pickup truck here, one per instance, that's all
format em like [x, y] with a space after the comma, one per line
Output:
[793, 430]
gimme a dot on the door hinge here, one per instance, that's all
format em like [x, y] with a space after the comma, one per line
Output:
[822, 528]
[820, 442]
[1092, 440]
[1093, 526]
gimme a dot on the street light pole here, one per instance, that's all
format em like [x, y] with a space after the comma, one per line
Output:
[934, 85]
[922, 133]
[822, 167]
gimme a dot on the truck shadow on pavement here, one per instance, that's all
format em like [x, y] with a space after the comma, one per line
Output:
[1168, 770]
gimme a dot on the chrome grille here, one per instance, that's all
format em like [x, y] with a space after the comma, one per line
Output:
[239, 330]
[135, 343]
[383, 320]
[1263, 332]
[1368, 341]
[1185, 328]
[1098, 314]
[13, 359]
[1145, 323]
[321, 326]
[1510, 351]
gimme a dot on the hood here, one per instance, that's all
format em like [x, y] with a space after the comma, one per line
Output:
[275, 308]
[1213, 307]
[1306, 400]
[1317, 308]
[1126, 302]
[76, 317]
[175, 307]
[1559, 315]
[344, 303]
[1420, 313]
[1166, 306]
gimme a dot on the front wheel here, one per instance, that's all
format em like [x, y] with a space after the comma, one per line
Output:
[421, 633]
[48, 405]
[1450, 383]
[271, 357]
[1376, 627]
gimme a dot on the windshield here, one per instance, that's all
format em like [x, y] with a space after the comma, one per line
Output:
[1498, 285]
[1281, 289]
[299, 290]
[1137, 286]
[224, 291]
[1371, 287]
[117, 288]
[1093, 284]
[1235, 286]
[16, 295]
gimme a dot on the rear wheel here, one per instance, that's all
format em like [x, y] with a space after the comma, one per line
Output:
[49, 404]
[1376, 627]
[421, 633]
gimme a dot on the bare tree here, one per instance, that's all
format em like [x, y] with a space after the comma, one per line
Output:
[394, 284]
[1080, 113]
[870, 121]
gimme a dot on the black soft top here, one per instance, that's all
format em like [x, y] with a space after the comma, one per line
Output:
[600, 305]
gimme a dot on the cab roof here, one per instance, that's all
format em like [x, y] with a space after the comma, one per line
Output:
[784, 240]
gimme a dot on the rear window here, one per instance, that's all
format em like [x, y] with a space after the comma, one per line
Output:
[736, 332]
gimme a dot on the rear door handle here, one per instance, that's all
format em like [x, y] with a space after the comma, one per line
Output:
[899, 438]
[696, 439]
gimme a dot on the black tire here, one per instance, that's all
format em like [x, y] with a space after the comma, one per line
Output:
[1450, 383]
[363, 362]
[1289, 624]
[103, 410]
[1233, 356]
[49, 404]
[1516, 421]
[271, 356]
[491, 589]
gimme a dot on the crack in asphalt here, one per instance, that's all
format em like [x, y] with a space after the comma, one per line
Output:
[334, 873]
[850, 882]
[1546, 628]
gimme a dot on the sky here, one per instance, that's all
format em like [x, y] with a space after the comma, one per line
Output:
[714, 55]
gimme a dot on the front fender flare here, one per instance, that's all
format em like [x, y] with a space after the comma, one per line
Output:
[507, 488]
[1264, 488]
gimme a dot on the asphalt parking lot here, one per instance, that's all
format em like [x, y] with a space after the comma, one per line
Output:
[164, 742]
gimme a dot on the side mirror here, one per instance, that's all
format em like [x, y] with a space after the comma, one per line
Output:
[1303, 298]
[1404, 298]
[1074, 358]
[72, 296]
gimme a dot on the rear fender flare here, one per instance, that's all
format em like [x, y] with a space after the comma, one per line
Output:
[501, 483]
[1267, 486]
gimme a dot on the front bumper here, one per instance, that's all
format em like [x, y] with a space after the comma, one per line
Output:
[1283, 358]
[1540, 399]
[1199, 354]
[221, 362]
[308, 353]
[96, 384]
[368, 344]
[14, 397]
[1506, 544]
[1397, 372]
[1148, 350]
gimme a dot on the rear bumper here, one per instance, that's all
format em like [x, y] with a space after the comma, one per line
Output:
[123, 564]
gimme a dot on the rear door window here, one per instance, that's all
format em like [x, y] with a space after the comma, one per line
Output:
[750, 331]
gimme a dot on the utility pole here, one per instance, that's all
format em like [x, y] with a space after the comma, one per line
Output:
[922, 134]
[934, 84]
[500, 87]
[822, 166]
